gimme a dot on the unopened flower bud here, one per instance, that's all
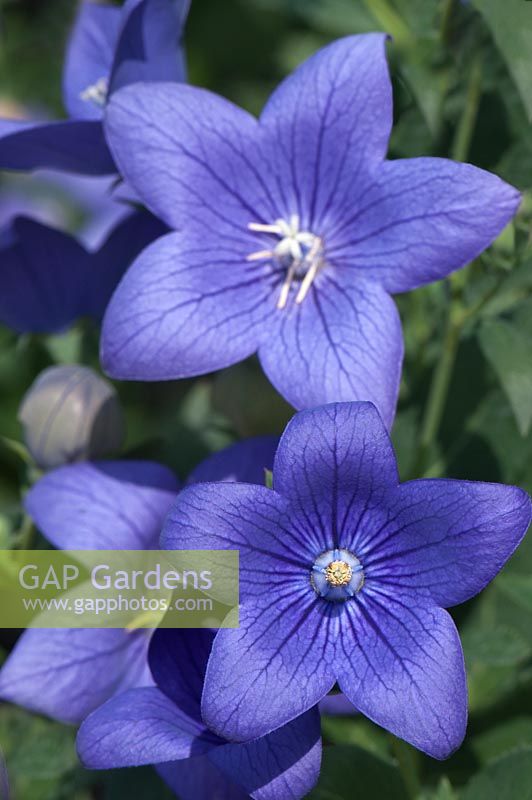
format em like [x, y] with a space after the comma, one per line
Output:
[70, 414]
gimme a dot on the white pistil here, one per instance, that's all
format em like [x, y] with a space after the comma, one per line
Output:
[96, 93]
[301, 252]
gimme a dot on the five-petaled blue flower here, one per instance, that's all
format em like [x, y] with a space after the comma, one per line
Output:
[162, 725]
[344, 575]
[109, 48]
[293, 230]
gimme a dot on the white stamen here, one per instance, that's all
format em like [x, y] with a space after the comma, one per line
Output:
[300, 252]
[96, 93]
[310, 276]
[285, 289]
[260, 255]
[257, 226]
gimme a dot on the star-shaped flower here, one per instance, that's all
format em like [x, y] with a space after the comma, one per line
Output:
[109, 48]
[294, 230]
[344, 575]
[163, 726]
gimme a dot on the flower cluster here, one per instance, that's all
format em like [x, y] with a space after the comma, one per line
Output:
[284, 236]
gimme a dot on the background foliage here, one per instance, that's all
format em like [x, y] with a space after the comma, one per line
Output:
[462, 75]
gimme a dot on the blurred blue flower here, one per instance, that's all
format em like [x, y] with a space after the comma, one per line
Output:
[110, 47]
[87, 206]
[116, 505]
[162, 725]
[344, 575]
[294, 230]
[49, 280]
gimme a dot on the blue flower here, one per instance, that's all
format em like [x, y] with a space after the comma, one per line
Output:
[162, 725]
[49, 280]
[109, 48]
[344, 575]
[117, 505]
[294, 230]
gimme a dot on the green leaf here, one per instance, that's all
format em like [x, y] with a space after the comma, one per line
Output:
[518, 588]
[17, 448]
[495, 662]
[351, 771]
[66, 348]
[358, 731]
[494, 425]
[444, 791]
[40, 755]
[503, 738]
[498, 647]
[510, 354]
[508, 778]
[510, 23]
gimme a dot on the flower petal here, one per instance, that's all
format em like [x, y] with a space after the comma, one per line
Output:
[66, 674]
[110, 505]
[244, 462]
[69, 145]
[140, 726]
[420, 219]
[110, 262]
[49, 280]
[274, 667]
[178, 660]
[184, 308]
[43, 272]
[285, 765]
[150, 47]
[403, 668]
[341, 343]
[332, 464]
[449, 538]
[329, 124]
[199, 779]
[192, 157]
[89, 57]
[243, 517]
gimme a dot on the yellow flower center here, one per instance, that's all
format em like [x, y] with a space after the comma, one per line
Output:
[338, 573]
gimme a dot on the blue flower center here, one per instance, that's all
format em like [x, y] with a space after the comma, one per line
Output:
[298, 252]
[337, 575]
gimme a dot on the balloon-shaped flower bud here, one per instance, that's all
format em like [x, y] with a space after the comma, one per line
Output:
[69, 414]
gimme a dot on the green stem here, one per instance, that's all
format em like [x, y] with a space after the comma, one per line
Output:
[389, 20]
[408, 766]
[25, 535]
[446, 19]
[439, 390]
[441, 380]
[466, 127]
